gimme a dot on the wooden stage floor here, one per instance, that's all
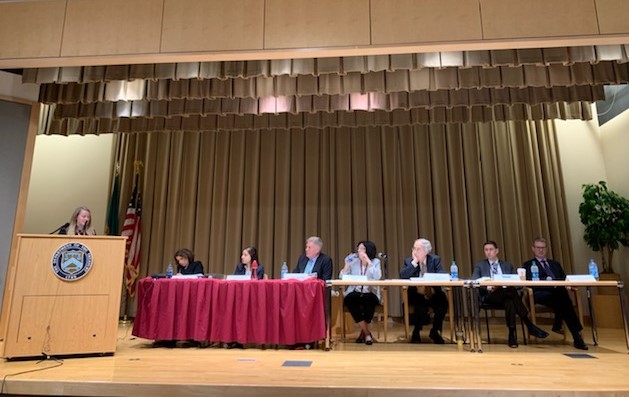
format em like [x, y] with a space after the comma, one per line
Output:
[384, 369]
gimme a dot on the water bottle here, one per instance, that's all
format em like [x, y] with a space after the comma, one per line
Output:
[169, 270]
[534, 272]
[454, 271]
[283, 271]
[351, 258]
[593, 269]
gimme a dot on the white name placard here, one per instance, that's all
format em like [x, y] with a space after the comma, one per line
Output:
[238, 277]
[432, 277]
[580, 277]
[507, 277]
[354, 277]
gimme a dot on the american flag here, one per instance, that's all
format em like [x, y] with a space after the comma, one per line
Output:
[132, 229]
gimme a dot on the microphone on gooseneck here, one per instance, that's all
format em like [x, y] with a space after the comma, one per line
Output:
[63, 229]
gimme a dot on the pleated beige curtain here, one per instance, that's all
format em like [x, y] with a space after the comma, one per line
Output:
[457, 185]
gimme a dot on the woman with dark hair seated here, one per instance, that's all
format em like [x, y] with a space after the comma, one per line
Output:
[361, 300]
[249, 264]
[186, 263]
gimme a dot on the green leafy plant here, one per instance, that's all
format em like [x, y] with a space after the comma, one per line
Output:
[605, 215]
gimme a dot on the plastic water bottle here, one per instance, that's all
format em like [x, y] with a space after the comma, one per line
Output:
[169, 270]
[534, 272]
[593, 269]
[454, 271]
[283, 271]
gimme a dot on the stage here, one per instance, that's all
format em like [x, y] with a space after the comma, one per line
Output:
[350, 369]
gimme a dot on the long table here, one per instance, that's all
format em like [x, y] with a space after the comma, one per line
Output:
[588, 285]
[457, 305]
[277, 312]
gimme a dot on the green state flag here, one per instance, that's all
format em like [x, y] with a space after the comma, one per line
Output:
[112, 228]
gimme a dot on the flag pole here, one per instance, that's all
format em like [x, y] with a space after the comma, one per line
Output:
[131, 230]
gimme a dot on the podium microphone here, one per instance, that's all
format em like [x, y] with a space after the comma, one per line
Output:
[62, 227]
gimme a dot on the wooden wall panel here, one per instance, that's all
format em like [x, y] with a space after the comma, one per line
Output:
[613, 16]
[212, 25]
[111, 27]
[504, 19]
[320, 23]
[411, 21]
[31, 29]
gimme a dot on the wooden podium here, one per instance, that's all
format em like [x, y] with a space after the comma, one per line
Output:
[46, 313]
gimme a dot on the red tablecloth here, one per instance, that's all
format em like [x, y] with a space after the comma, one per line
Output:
[259, 311]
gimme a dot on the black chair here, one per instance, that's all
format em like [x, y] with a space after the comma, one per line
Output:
[487, 307]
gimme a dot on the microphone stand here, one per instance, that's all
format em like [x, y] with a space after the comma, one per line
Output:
[59, 228]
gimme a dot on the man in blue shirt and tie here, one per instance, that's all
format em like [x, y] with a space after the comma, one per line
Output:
[507, 298]
[314, 261]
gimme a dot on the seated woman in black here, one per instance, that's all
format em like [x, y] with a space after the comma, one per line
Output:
[248, 262]
[186, 263]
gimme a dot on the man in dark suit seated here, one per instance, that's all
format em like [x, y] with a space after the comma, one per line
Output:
[556, 298]
[507, 298]
[314, 261]
[421, 262]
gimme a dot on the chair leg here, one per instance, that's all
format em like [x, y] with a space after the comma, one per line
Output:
[523, 331]
[342, 290]
[451, 314]
[405, 304]
[487, 324]
[385, 310]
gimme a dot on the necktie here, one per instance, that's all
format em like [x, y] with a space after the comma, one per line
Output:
[422, 269]
[494, 268]
[547, 270]
[309, 266]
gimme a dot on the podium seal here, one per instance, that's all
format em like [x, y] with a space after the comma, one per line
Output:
[72, 261]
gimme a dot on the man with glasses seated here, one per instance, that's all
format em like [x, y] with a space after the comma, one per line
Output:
[505, 297]
[420, 263]
[556, 298]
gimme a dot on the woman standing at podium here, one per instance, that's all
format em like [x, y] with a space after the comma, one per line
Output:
[80, 223]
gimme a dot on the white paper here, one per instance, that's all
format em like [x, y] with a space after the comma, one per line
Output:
[298, 276]
[187, 275]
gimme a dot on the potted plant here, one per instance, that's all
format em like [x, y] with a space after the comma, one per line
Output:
[605, 215]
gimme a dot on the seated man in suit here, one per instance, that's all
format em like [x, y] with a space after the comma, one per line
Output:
[508, 297]
[314, 261]
[556, 298]
[421, 262]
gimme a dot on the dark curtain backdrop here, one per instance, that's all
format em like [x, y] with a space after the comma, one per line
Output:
[455, 184]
